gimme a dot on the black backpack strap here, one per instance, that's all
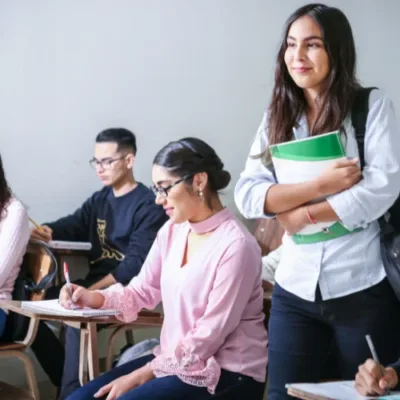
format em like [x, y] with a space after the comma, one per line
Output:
[359, 114]
[48, 279]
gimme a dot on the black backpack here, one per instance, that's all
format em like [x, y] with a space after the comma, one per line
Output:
[390, 222]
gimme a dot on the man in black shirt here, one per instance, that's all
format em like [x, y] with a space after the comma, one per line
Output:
[121, 222]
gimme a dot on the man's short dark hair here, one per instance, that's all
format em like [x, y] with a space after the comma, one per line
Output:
[124, 138]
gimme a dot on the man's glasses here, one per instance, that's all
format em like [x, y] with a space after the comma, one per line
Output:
[107, 163]
[163, 191]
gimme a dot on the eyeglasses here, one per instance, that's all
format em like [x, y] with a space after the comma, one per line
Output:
[163, 191]
[106, 163]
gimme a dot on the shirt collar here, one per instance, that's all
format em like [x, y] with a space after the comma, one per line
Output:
[210, 223]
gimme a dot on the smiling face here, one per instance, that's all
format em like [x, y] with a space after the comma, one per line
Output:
[306, 58]
[179, 199]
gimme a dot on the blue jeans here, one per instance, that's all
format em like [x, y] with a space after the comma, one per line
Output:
[70, 379]
[3, 319]
[303, 333]
[232, 386]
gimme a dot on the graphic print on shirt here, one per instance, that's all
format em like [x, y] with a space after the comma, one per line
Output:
[107, 252]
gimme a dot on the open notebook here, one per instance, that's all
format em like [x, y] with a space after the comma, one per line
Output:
[63, 245]
[341, 390]
[52, 307]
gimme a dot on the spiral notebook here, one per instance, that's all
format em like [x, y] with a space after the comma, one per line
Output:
[52, 307]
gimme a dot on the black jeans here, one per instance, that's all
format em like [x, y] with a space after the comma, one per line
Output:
[47, 348]
[303, 333]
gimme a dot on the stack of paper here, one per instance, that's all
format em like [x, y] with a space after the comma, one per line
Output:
[341, 390]
[52, 307]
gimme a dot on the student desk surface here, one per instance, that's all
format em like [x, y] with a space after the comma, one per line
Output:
[89, 359]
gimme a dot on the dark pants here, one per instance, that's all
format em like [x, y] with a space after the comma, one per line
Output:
[3, 320]
[232, 386]
[47, 348]
[303, 333]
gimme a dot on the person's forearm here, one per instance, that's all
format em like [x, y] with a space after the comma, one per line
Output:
[96, 300]
[107, 281]
[322, 212]
[284, 197]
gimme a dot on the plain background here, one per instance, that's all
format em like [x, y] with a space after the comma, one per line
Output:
[163, 68]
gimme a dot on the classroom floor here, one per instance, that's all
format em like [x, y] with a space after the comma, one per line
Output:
[47, 391]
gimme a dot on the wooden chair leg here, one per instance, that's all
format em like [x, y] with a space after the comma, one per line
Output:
[111, 343]
[93, 356]
[29, 371]
[83, 359]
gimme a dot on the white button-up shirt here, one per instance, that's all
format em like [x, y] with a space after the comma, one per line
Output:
[349, 263]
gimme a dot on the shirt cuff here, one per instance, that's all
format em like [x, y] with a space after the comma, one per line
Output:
[115, 299]
[187, 367]
[344, 206]
[259, 204]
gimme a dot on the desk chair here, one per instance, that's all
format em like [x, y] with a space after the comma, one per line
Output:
[128, 330]
[39, 266]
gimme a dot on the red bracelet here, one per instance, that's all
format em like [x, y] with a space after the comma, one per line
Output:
[310, 217]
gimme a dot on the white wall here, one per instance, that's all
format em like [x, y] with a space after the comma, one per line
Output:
[163, 68]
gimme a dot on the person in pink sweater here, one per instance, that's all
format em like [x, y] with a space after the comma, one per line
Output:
[14, 237]
[205, 268]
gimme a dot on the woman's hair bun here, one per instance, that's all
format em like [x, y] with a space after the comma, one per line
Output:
[219, 179]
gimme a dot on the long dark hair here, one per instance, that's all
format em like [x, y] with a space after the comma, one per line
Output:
[334, 104]
[5, 191]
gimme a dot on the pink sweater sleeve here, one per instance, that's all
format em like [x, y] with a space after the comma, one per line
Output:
[143, 291]
[14, 237]
[194, 361]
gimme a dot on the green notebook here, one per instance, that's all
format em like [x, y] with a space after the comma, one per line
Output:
[303, 160]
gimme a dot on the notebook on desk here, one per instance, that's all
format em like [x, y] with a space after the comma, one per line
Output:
[340, 390]
[64, 245]
[52, 307]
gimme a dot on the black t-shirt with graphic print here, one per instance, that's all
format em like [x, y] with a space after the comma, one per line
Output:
[121, 230]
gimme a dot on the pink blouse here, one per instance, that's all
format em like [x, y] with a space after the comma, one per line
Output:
[213, 306]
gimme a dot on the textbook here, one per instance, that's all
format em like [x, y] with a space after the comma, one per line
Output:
[52, 307]
[341, 390]
[63, 245]
[305, 159]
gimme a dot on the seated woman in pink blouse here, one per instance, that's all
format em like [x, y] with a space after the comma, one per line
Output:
[205, 267]
[14, 237]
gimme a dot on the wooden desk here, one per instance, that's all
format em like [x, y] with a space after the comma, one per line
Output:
[299, 395]
[89, 359]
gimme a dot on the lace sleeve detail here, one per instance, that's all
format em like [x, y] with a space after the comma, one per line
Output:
[118, 297]
[188, 367]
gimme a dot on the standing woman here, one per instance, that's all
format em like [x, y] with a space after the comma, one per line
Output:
[333, 292]
[14, 237]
